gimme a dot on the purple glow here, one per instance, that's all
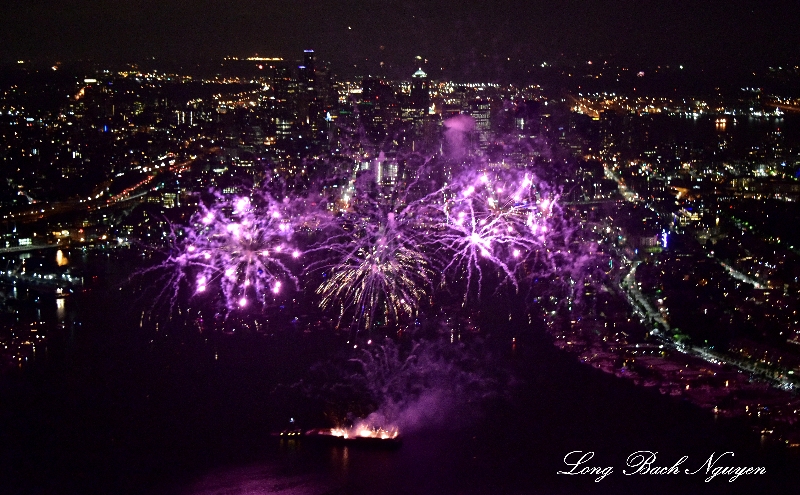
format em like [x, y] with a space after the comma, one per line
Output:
[377, 258]
[229, 246]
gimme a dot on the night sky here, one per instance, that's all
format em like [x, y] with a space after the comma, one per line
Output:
[357, 35]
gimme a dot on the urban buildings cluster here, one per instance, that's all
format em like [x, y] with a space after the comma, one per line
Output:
[691, 197]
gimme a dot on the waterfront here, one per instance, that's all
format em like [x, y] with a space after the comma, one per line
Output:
[118, 409]
[529, 238]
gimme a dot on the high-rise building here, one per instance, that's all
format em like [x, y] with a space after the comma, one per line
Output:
[480, 110]
[420, 92]
[307, 71]
[378, 108]
[285, 91]
[311, 108]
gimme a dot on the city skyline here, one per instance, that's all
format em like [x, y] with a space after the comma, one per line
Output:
[238, 271]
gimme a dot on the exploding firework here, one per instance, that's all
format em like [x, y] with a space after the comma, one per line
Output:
[240, 247]
[374, 267]
[490, 219]
[387, 278]
[379, 258]
[375, 251]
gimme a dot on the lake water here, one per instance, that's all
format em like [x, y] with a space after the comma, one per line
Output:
[108, 411]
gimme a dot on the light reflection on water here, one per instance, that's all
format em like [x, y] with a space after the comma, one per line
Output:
[61, 260]
[340, 458]
[563, 406]
[60, 309]
[261, 479]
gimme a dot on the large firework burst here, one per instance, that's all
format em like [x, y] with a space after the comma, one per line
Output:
[375, 252]
[374, 266]
[490, 219]
[241, 247]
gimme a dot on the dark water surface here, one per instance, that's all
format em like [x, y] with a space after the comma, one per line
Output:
[519, 446]
[109, 411]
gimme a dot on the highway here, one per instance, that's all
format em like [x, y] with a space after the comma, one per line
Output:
[642, 307]
[43, 210]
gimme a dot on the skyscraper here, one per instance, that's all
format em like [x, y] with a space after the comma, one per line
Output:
[420, 96]
[285, 91]
[308, 71]
[480, 110]
[378, 108]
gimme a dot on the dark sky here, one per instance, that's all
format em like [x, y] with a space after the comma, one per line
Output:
[456, 33]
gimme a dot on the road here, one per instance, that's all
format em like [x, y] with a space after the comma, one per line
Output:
[32, 247]
[44, 210]
[642, 307]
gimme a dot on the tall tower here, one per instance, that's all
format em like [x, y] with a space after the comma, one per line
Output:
[420, 96]
[285, 101]
[308, 70]
[306, 108]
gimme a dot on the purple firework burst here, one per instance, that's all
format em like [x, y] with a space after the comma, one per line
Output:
[240, 247]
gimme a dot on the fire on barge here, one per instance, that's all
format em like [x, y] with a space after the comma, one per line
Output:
[378, 437]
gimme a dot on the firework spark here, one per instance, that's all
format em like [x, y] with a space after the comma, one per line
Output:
[491, 218]
[373, 251]
[375, 270]
[240, 247]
